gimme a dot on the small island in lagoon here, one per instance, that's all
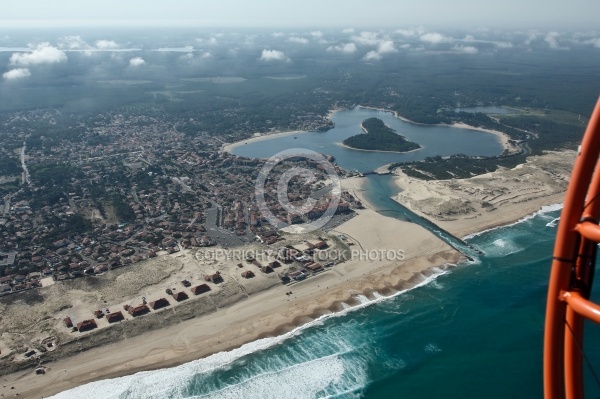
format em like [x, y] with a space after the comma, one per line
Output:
[379, 137]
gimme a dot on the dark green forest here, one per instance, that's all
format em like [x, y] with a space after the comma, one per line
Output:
[554, 90]
[379, 137]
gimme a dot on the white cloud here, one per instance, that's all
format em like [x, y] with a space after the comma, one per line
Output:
[278, 34]
[17, 73]
[366, 38]
[300, 40]
[73, 43]
[44, 53]
[532, 36]
[316, 33]
[405, 32]
[273, 55]
[503, 44]
[386, 46]
[433, 38]
[372, 56]
[552, 40]
[136, 61]
[594, 42]
[105, 44]
[346, 48]
[206, 55]
[348, 31]
[211, 42]
[465, 49]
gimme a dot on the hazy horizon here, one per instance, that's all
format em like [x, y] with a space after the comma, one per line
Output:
[510, 14]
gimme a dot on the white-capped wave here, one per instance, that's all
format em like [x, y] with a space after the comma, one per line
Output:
[553, 223]
[544, 209]
[172, 382]
[501, 247]
[432, 348]
[377, 295]
[500, 243]
[305, 380]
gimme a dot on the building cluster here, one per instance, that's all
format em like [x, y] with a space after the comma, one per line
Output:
[122, 187]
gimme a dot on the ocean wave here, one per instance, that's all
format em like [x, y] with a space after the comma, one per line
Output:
[553, 222]
[544, 209]
[432, 348]
[173, 382]
[323, 374]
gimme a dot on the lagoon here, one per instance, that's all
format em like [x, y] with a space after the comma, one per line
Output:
[434, 140]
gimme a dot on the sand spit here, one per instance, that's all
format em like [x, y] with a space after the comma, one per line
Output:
[467, 206]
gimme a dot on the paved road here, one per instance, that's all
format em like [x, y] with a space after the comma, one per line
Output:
[24, 165]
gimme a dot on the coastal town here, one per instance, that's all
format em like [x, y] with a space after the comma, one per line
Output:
[131, 194]
[126, 189]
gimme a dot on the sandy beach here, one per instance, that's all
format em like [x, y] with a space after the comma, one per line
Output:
[509, 146]
[362, 149]
[375, 265]
[504, 138]
[387, 256]
[268, 311]
[467, 206]
[260, 137]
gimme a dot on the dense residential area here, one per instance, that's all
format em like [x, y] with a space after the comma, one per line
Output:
[90, 197]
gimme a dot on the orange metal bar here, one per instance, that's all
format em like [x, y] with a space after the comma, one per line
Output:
[581, 281]
[564, 260]
[587, 309]
[592, 206]
[589, 230]
[574, 327]
[573, 356]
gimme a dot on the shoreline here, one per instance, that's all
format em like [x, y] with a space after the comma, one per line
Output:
[471, 206]
[217, 333]
[502, 137]
[270, 338]
[270, 313]
[361, 149]
[263, 314]
[278, 320]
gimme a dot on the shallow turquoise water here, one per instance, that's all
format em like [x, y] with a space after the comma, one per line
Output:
[475, 332]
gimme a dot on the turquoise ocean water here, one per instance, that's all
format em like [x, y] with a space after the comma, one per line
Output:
[475, 331]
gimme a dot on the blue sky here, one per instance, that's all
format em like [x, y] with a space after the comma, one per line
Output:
[510, 14]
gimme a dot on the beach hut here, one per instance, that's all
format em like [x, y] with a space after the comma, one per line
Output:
[200, 289]
[180, 296]
[87, 325]
[315, 267]
[114, 317]
[248, 274]
[159, 303]
[266, 269]
[215, 278]
[274, 264]
[138, 310]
